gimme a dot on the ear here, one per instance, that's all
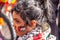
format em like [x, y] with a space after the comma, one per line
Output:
[33, 23]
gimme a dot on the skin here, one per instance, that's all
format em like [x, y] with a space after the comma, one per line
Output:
[19, 22]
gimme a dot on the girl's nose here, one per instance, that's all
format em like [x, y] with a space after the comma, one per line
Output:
[21, 26]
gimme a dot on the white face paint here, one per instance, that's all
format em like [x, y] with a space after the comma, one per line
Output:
[22, 29]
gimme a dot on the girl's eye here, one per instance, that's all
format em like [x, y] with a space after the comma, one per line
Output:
[17, 20]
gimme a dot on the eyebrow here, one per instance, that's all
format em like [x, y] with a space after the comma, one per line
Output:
[15, 18]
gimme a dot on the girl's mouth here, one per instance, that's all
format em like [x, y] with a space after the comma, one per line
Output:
[22, 29]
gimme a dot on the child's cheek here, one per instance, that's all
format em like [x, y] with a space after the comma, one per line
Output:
[16, 27]
[28, 28]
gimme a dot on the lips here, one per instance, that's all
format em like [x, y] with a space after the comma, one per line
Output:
[21, 28]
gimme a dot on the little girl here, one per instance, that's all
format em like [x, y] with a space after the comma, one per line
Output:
[27, 19]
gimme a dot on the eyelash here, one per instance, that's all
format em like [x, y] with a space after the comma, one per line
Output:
[17, 21]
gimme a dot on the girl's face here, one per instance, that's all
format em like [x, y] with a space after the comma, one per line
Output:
[20, 25]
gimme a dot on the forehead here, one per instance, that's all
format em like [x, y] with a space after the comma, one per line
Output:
[16, 15]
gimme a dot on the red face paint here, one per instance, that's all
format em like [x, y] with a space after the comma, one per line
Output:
[19, 28]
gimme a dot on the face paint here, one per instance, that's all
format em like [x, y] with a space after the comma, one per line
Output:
[22, 26]
[22, 29]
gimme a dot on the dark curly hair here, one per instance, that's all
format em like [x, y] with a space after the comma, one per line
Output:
[38, 10]
[28, 10]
